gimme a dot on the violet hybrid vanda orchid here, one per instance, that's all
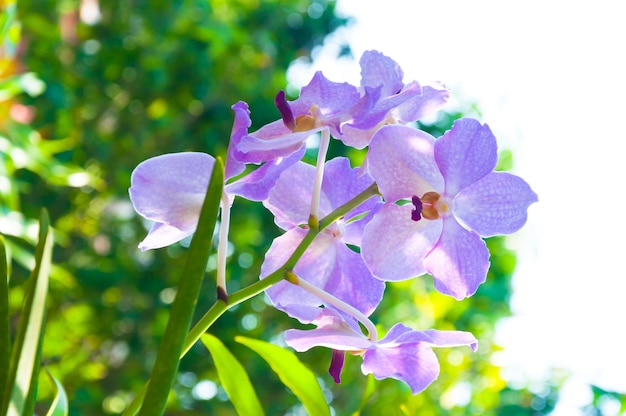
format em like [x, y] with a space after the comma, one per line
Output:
[416, 205]
[343, 111]
[456, 198]
[403, 354]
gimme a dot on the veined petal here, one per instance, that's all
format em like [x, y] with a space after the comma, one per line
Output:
[406, 354]
[285, 296]
[459, 261]
[332, 98]
[414, 363]
[234, 165]
[331, 332]
[385, 106]
[394, 246]
[495, 204]
[170, 188]
[341, 183]
[450, 338]
[290, 199]
[257, 185]
[272, 141]
[327, 264]
[432, 99]
[401, 161]
[357, 138]
[353, 283]
[162, 235]
[380, 70]
[465, 153]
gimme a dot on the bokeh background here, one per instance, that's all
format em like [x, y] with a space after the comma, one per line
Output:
[89, 89]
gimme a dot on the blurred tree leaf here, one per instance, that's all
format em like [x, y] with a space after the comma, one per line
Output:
[19, 393]
[5, 325]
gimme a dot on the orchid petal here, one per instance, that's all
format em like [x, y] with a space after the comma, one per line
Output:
[332, 98]
[386, 105]
[394, 245]
[170, 188]
[341, 183]
[234, 165]
[378, 69]
[290, 199]
[162, 235]
[449, 339]
[402, 164]
[257, 185]
[432, 99]
[465, 153]
[495, 204]
[272, 141]
[459, 261]
[327, 264]
[332, 332]
[415, 363]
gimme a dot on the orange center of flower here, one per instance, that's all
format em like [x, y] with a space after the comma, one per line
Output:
[430, 206]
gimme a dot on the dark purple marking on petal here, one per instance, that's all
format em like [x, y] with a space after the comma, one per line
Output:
[416, 213]
[285, 110]
[336, 365]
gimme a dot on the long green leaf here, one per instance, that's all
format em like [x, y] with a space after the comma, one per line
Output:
[370, 388]
[166, 365]
[5, 329]
[292, 373]
[26, 349]
[59, 405]
[234, 378]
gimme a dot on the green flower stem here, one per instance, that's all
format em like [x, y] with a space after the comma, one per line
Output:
[220, 306]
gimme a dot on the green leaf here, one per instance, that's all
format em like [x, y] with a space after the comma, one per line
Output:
[234, 378]
[5, 328]
[26, 354]
[370, 388]
[59, 405]
[292, 373]
[166, 365]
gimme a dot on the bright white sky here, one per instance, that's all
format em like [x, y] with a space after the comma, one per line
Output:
[550, 80]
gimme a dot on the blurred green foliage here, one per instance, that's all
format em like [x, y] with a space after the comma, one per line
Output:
[130, 80]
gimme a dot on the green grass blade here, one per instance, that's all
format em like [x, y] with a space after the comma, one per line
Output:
[26, 348]
[5, 328]
[233, 377]
[59, 405]
[292, 373]
[166, 365]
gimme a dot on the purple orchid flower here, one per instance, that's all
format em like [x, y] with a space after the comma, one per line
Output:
[347, 113]
[322, 105]
[456, 199]
[169, 189]
[328, 263]
[403, 354]
[390, 100]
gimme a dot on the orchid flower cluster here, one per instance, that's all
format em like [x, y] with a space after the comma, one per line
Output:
[418, 205]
